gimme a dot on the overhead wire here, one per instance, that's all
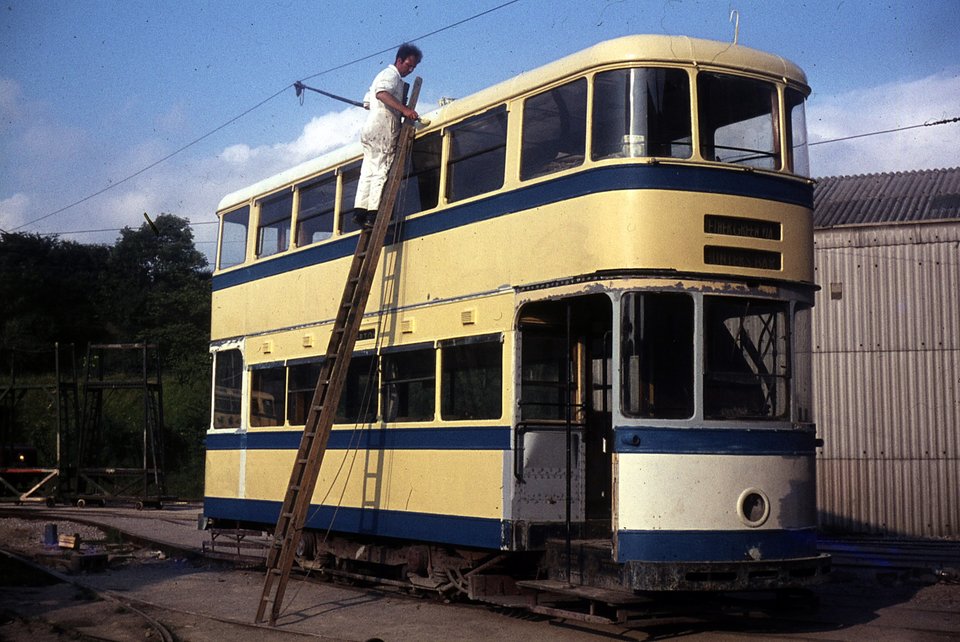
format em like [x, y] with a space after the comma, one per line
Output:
[945, 121]
[248, 111]
[155, 163]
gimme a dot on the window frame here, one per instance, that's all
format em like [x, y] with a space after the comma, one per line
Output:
[244, 212]
[283, 216]
[454, 187]
[320, 182]
[449, 380]
[528, 169]
[389, 384]
[707, 129]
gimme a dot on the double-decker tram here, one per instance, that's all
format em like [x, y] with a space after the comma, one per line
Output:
[585, 359]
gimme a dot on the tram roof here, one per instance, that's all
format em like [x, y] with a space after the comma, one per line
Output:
[627, 49]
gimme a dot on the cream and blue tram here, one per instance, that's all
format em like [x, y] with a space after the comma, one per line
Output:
[587, 342]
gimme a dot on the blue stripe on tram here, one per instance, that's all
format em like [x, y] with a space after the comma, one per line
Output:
[715, 546]
[714, 441]
[469, 438]
[445, 529]
[605, 179]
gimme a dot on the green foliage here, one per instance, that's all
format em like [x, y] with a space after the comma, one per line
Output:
[50, 291]
[152, 286]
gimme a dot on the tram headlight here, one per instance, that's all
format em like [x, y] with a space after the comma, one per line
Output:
[753, 507]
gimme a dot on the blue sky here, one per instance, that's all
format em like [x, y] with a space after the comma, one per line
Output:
[93, 93]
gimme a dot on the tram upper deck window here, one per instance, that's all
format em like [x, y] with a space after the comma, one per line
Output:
[478, 151]
[746, 371]
[738, 120]
[348, 195]
[554, 130]
[315, 217]
[641, 112]
[233, 237]
[421, 186]
[658, 355]
[273, 233]
[800, 154]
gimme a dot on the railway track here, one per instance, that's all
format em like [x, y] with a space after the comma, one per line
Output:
[221, 598]
[133, 618]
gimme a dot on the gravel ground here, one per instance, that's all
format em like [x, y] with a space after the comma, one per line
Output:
[199, 600]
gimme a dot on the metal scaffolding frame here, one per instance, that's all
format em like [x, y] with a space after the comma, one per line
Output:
[125, 370]
[24, 475]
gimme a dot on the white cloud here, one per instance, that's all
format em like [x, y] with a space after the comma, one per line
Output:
[237, 154]
[327, 132]
[886, 107]
[10, 95]
[13, 211]
[193, 188]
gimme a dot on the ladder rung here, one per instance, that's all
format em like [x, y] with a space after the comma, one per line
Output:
[348, 318]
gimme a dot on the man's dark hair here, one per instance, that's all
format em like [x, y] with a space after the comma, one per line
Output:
[406, 50]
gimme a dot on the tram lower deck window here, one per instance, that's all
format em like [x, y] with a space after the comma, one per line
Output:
[409, 382]
[657, 353]
[746, 371]
[267, 387]
[227, 386]
[358, 402]
[472, 381]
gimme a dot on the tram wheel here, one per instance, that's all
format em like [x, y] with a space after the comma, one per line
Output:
[307, 546]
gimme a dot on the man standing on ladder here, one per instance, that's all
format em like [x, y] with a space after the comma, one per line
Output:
[379, 133]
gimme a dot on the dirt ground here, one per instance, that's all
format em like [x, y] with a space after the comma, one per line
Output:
[152, 593]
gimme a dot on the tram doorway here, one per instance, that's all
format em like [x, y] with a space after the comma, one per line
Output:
[565, 406]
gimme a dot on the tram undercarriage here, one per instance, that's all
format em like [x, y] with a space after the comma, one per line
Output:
[585, 584]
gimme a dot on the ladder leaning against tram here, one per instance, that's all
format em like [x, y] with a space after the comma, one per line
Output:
[333, 373]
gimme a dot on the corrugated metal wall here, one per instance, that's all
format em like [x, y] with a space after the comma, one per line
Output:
[886, 365]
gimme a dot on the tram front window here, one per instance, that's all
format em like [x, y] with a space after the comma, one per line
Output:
[657, 352]
[746, 370]
[738, 120]
[800, 154]
[641, 112]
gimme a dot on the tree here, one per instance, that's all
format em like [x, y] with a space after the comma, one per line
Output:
[51, 290]
[151, 286]
[162, 295]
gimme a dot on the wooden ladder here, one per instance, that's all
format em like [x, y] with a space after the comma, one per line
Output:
[333, 374]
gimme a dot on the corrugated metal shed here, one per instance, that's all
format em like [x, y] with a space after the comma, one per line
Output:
[928, 195]
[886, 353]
